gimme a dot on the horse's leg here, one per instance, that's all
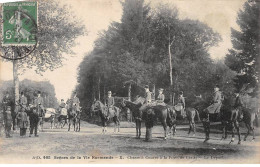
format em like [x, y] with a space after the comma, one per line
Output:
[174, 128]
[139, 128]
[136, 128]
[253, 130]
[79, 124]
[207, 130]
[223, 130]
[115, 124]
[193, 123]
[194, 129]
[238, 132]
[189, 127]
[165, 129]
[233, 132]
[248, 131]
[118, 125]
[69, 125]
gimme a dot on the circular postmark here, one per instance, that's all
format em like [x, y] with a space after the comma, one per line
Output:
[19, 34]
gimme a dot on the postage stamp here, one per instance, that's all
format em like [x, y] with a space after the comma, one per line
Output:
[19, 23]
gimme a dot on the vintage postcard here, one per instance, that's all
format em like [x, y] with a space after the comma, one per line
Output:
[129, 82]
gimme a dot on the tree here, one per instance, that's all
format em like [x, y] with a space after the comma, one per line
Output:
[137, 50]
[30, 89]
[57, 31]
[243, 58]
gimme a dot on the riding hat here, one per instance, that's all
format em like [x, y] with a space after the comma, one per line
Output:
[161, 89]
[146, 86]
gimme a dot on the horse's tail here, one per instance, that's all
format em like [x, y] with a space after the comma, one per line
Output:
[198, 115]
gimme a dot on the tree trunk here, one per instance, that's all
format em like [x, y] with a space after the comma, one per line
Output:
[129, 91]
[171, 81]
[104, 96]
[16, 83]
[99, 88]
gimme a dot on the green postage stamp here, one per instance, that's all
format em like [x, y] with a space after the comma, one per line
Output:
[19, 23]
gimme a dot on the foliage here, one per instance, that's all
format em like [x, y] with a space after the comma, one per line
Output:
[243, 58]
[30, 89]
[136, 50]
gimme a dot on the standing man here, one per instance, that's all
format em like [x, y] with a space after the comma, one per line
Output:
[38, 103]
[7, 101]
[110, 101]
[34, 119]
[148, 99]
[23, 123]
[1, 121]
[8, 122]
[181, 103]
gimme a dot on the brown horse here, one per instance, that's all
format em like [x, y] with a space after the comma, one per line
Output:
[165, 114]
[249, 117]
[191, 114]
[137, 115]
[228, 116]
[105, 115]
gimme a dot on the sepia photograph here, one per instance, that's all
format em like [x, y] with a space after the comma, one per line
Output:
[129, 82]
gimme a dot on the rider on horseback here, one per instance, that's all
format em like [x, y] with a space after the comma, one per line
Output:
[181, 104]
[38, 103]
[217, 101]
[23, 101]
[148, 99]
[62, 109]
[75, 103]
[110, 102]
[160, 98]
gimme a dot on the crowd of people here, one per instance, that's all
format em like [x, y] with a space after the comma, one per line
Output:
[25, 115]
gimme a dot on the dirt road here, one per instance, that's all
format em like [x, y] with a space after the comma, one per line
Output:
[90, 146]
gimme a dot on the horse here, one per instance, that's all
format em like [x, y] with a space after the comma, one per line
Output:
[137, 114]
[105, 114]
[161, 112]
[228, 116]
[191, 113]
[74, 119]
[248, 118]
[167, 116]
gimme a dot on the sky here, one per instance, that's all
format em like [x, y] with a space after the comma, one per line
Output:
[96, 15]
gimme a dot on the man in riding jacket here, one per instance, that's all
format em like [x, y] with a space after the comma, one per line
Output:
[38, 102]
[61, 108]
[181, 102]
[148, 99]
[7, 101]
[110, 101]
[23, 100]
[75, 102]
[160, 98]
[217, 101]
